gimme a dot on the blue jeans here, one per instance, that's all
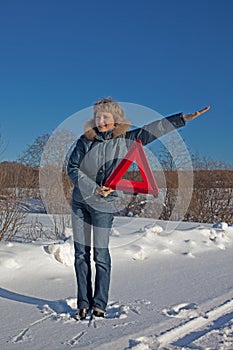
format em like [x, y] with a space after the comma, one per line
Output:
[86, 219]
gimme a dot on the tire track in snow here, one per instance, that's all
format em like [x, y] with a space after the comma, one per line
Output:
[217, 335]
[186, 330]
[181, 335]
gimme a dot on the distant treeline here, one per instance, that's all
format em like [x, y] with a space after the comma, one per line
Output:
[16, 175]
[201, 178]
[13, 174]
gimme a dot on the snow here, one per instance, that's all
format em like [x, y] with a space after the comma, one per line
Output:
[170, 289]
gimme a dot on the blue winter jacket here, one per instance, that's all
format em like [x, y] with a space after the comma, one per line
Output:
[97, 154]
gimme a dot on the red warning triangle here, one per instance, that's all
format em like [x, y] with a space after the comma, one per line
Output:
[148, 183]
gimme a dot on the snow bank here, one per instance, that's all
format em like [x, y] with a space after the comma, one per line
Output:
[153, 238]
[63, 252]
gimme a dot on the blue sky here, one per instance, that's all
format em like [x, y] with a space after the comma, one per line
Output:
[60, 56]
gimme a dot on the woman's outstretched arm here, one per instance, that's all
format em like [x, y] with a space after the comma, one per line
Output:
[194, 115]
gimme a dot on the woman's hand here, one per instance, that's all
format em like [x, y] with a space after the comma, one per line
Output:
[104, 191]
[194, 115]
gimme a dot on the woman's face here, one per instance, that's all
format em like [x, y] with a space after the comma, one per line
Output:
[104, 121]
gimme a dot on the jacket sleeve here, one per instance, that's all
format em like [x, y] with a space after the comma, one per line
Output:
[156, 129]
[80, 180]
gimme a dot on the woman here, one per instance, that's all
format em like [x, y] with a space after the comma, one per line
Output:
[105, 142]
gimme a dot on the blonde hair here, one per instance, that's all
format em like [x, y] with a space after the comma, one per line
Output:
[110, 106]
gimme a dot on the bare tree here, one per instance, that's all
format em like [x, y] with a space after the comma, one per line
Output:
[11, 215]
[55, 185]
[12, 218]
[32, 155]
[177, 166]
[212, 198]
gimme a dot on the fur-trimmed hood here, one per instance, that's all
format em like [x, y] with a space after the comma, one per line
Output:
[90, 130]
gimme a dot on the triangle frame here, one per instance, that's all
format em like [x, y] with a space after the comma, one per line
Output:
[148, 184]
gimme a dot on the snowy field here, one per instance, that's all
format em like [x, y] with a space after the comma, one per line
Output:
[170, 289]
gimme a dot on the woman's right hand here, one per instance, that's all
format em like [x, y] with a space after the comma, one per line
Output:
[104, 191]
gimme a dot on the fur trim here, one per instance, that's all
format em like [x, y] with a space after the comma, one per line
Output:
[89, 130]
[120, 129]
